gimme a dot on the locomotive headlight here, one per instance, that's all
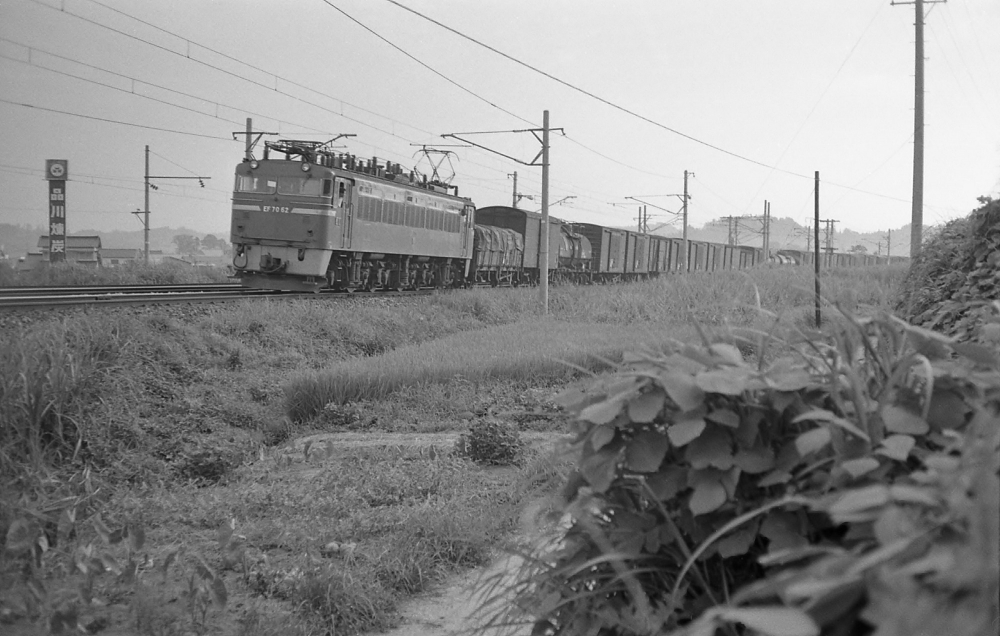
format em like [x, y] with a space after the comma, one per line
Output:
[305, 167]
[253, 165]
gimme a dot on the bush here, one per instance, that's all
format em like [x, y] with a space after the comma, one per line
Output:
[491, 442]
[847, 486]
[951, 283]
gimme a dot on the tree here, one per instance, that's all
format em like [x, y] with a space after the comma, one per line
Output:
[858, 249]
[187, 244]
[212, 242]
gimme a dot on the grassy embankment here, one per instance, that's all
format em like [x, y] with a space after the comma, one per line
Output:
[173, 425]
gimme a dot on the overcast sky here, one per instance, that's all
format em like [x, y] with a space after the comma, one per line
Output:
[750, 96]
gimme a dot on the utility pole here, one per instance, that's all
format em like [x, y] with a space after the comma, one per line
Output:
[543, 251]
[145, 221]
[514, 200]
[684, 233]
[917, 214]
[819, 318]
[888, 247]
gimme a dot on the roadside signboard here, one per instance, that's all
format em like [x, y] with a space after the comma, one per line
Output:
[56, 173]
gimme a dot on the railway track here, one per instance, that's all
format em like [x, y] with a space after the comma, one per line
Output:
[107, 295]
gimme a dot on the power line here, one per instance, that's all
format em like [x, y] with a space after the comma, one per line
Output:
[592, 95]
[31, 62]
[819, 100]
[426, 66]
[112, 121]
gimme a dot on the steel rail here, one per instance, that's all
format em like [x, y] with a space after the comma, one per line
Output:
[110, 289]
[78, 297]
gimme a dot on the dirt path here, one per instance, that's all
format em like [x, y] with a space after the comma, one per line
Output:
[451, 609]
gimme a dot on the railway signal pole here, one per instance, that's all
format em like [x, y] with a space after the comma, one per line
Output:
[543, 154]
[917, 213]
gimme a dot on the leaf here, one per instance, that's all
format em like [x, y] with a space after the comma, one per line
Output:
[219, 594]
[602, 412]
[646, 407]
[712, 448]
[772, 621]
[983, 356]
[812, 441]
[947, 410]
[682, 389]
[645, 452]
[136, 537]
[897, 447]
[728, 381]
[820, 415]
[709, 493]
[774, 478]
[738, 542]
[858, 467]
[116, 536]
[728, 353]
[20, 535]
[599, 469]
[685, 431]
[783, 375]
[575, 399]
[782, 529]
[667, 483]
[103, 530]
[860, 499]
[203, 569]
[893, 524]
[756, 460]
[912, 494]
[725, 417]
[900, 420]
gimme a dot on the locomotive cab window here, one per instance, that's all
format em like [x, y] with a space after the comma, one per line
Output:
[250, 183]
[304, 186]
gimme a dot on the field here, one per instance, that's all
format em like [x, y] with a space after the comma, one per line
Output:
[304, 466]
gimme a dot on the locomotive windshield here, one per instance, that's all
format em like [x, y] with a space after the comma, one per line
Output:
[302, 186]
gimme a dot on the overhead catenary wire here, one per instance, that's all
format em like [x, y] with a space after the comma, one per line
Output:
[113, 121]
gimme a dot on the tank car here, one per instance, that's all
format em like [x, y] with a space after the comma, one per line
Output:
[307, 218]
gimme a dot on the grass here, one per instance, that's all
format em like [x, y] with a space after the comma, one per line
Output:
[127, 274]
[176, 422]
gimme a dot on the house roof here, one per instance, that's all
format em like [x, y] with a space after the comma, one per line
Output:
[74, 242]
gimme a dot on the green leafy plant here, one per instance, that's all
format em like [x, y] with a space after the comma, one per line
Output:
[491, 442]
[698, 474]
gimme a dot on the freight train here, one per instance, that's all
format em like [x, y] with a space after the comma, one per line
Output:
[308, 218]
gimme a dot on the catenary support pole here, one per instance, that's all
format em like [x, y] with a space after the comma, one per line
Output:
[514, 198]
[684, 220]
[145, 231]
[543, 251]
[819, 318]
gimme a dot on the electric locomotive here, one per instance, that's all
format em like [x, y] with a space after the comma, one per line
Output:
[308, 218]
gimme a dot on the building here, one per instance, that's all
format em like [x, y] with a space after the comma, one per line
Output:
[80, 250]
[117, 256]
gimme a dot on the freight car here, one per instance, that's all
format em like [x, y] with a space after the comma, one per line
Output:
[305, 218]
